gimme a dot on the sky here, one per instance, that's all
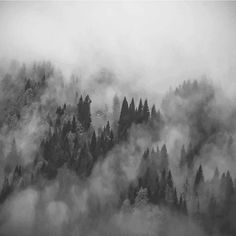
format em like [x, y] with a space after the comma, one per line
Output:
[154, 44]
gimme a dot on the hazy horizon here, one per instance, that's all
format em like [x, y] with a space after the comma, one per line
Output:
[155, 44]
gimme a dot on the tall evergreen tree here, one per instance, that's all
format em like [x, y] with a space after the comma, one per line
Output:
[124, 110]
[153, 113]
[107, 129]
[216, 173]
[162, 192]
[175, 200]
[146, 112]
[86, 112]
[199, 179]
[132, 111]
[229, 185]
[80, 110]
[156, 195]
[164, 157]
[73, 128]
[139, 115]
[124, 120]
[169, 180]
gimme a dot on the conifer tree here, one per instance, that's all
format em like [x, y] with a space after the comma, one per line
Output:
[124, 120]
[139, 115]
[162, 192]
[153, 113]
[199, 178]
[93, 145]
[146, 112]
[132, 111]
[107, 128]
[169, 180]
[229, 186]
[175, 199]
[80, 110]
[73, 128]
[86, 113]
[124, 110]
[156, 195]
[164, 157]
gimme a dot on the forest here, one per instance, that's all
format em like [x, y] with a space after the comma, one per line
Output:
[162, 168]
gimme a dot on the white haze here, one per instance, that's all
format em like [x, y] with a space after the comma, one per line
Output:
[149, 47]
[155, 44]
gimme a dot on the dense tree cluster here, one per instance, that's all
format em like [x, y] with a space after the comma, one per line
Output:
[155, 178]
[84, 115]
[135, 115]
[72, 141]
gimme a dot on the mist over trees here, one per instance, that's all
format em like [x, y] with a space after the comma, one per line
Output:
[133, 166]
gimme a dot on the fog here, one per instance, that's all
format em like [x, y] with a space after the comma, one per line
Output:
[132, 49]
[155, 44]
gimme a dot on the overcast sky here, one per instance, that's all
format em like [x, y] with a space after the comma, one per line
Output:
[159, 44]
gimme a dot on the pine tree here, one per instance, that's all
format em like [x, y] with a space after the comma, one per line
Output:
[146, 112]
[169, 189]
[212, 208]
[69, 126]
[164, 157]
[162, 192]
[153, 113]
[146, 154]
[80, 110]
[190, 155]
[124, 110]
[175, 200]
[64, 131]
[84, 164]
[156, 195]
[229, 186]
[86, 113]
[147, 178]
[169, 180]
[199, 179]
[107, 128]
[93, 145]
[185, 209]
[132, 111]
[139, 115]
[73, 128]
[131, 193]
[124, 120]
